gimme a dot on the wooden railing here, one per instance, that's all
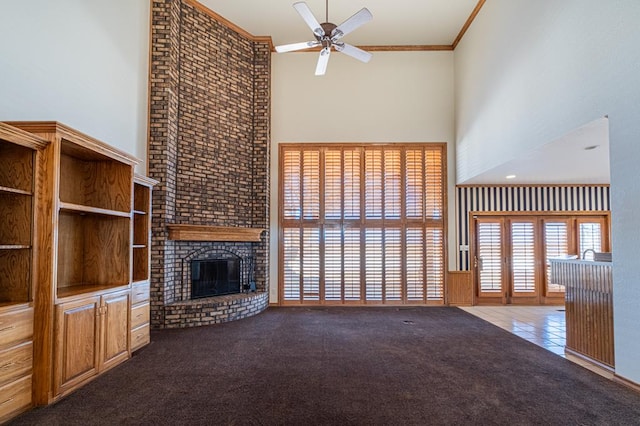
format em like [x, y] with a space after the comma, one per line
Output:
[589, 308]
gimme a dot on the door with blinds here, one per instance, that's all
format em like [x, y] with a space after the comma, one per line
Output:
[512, 254]
[362, 224]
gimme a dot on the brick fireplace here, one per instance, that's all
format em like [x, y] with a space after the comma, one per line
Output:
[209, 150]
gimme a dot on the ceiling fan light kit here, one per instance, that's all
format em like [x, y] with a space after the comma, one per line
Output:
[329, 35]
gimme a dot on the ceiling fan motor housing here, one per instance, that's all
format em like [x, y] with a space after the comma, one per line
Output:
[328, 28]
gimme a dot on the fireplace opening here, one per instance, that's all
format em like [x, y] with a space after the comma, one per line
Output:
[215, 277]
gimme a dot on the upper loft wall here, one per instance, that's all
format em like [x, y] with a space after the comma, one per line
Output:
[530, 71]
[83, 63]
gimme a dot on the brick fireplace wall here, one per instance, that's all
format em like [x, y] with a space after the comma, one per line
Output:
[208, 148]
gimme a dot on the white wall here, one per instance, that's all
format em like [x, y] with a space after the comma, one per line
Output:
[396, 97]
[83, 63]
[530, 71]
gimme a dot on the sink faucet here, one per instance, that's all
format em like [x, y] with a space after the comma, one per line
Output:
[584, 253]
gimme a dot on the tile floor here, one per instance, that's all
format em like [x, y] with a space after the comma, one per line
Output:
[542, 325]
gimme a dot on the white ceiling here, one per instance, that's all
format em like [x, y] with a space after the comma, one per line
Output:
[398, 22]
[564, 160]
[427, 23]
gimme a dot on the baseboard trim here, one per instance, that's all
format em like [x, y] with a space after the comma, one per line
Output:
[628, 383]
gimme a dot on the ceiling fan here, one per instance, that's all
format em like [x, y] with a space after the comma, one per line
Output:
[329, 35]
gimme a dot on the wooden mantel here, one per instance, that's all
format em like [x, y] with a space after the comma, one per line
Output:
[178, 232]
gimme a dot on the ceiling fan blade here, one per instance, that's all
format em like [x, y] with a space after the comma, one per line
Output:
[353, 51]
[359, 18]
[323, 60]
[308, 17]
[297, 46]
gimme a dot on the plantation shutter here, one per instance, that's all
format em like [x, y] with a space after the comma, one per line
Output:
[392, 264]
[374, 267]
[523, 258]
[362, 223]
[489, 253]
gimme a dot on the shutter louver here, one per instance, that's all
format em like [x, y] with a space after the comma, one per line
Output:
[392, 264]
[292, 164]
[352, 264]
[490, 257]
[333, 264]
[434, 246]
[523, 257]
[392, 180]
[311, 264]
[373, 264]
[373, 184]
[414, 243]
[291, 263]
[352, 184]
[332, 184]
[434, 184]
[311, 185]
[414, 184]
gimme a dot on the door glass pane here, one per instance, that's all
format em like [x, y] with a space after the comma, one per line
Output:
[523, 257]
[590, 239]
[490, 257]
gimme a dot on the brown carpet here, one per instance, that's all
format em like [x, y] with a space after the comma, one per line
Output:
[345, 366]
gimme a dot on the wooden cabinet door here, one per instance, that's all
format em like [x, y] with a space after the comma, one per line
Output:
[116, 328]
[77, 344]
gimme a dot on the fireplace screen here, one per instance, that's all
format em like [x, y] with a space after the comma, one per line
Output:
[215, 277]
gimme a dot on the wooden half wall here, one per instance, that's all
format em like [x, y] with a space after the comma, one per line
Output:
[460, 288]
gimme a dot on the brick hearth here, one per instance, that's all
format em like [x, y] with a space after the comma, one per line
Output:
[209, 149]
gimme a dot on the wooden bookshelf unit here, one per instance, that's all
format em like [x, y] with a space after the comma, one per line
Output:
[91, 225]
[140, 298]
[20, 165]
